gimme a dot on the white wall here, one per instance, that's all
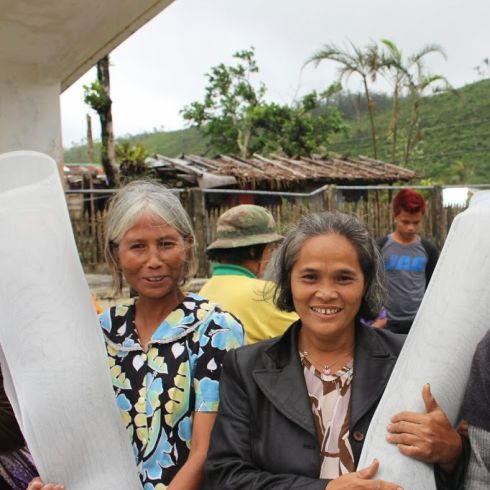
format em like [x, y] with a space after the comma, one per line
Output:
[30, 116]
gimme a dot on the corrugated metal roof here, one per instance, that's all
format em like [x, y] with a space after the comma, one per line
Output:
[278, 171]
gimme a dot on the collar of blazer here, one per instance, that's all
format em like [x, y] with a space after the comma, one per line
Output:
[282, 380]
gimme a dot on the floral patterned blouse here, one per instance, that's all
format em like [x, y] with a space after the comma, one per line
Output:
[157, 391]
[330, 403]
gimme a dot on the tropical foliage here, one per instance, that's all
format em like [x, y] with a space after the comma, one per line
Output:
[451, 129]
[235, 118]
[131, 159]
[97, 96]
[420, 124]
[354, 60]
[407, 75]
[409, 78]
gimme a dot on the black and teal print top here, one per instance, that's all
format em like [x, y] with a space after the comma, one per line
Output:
[157, 391]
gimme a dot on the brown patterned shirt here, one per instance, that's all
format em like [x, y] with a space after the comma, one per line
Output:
[330, 403]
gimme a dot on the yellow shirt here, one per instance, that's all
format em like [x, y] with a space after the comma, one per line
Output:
[238, 291]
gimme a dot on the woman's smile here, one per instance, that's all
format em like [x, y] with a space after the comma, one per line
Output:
[152, 256]
[327, 285]
[155, 278]
[326, 311]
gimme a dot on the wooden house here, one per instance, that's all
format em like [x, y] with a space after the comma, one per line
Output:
[274, 173]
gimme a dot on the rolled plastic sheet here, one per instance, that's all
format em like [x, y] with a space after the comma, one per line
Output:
[453, 317]
[52, 350]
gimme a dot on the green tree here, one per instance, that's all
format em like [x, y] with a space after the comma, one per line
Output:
[417, 86]
[305, 128]
[417, 153]
[224, 115]
[236, 119]
[97, 96]
[460, 172]
[409, 77]
[132, 161]
[354, 60]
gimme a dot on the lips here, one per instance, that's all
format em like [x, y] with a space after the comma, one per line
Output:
[154, 278]
[332, 310]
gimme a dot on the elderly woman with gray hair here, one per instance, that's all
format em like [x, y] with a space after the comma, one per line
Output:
[165, 347]
[294, 410]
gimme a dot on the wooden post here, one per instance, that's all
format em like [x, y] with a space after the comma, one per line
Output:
[377, 210]
[437, 216]
[93, 226]
[197, 213]
[369, 216]
[90, 141]
[330, 198]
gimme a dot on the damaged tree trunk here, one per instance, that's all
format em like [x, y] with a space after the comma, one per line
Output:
[108, 155]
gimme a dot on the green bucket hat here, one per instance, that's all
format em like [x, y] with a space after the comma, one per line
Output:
[245, 225]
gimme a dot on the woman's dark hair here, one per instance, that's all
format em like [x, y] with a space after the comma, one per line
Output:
[322, 224]
[236, 255]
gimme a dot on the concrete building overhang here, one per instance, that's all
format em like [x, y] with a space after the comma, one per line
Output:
[60, 40]
[45, 46]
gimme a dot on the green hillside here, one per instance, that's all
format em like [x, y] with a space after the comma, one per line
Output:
[455, 130]
[171, 144]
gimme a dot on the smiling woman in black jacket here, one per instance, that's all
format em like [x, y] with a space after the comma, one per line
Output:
[294, 410]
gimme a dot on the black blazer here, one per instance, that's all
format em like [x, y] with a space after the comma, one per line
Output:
[265, 435]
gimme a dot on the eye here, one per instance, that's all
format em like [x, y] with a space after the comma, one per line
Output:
[345, 278]
[308, 277]
[167, 244]
[137, 246]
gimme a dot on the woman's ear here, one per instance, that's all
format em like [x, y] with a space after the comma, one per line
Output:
[189, 241]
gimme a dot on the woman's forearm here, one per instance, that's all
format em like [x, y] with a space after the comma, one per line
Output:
[191, 475]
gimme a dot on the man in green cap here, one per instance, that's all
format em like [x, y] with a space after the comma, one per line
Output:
[246, 238]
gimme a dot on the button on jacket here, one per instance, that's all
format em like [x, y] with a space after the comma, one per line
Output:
[265, 435]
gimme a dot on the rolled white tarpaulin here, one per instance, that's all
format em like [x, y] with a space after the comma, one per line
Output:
[453, 317]
[53, 355]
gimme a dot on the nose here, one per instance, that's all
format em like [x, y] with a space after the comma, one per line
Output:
[154, 260]
[326, 291]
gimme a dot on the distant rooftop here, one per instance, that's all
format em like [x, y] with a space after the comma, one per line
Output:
[276, 172]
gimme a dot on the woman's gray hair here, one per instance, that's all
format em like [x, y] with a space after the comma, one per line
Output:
[341, 224]
[128, 204]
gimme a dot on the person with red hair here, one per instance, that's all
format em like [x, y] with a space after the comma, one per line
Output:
[409, 260]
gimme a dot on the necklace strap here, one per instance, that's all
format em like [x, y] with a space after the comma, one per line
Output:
[326, 367]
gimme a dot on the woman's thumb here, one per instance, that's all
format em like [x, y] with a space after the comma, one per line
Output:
[369, 471]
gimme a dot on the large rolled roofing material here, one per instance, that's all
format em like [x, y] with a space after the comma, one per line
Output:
[52, 350]
[453, 317]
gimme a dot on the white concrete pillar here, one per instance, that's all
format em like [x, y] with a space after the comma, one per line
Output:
[30, 116]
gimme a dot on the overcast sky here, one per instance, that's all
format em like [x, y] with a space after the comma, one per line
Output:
[161, 67]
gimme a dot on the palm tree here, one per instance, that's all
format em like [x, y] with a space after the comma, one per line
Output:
[417, 86]
[407, 74]
[390, 61]
[354, 60]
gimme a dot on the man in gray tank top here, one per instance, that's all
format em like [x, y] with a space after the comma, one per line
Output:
[409, 261]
